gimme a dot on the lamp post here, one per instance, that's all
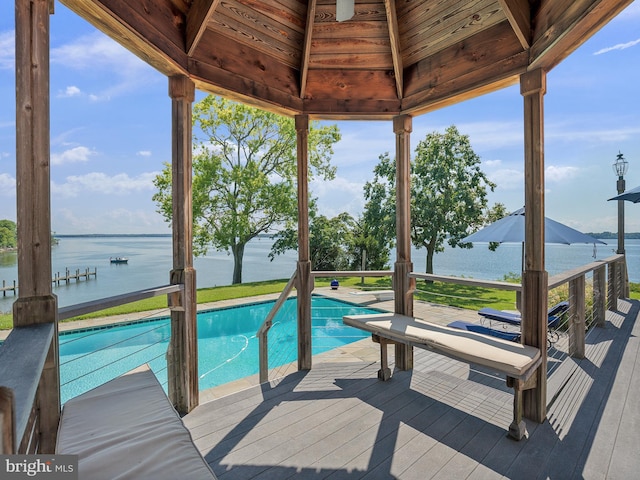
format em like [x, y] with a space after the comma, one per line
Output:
[620, 167]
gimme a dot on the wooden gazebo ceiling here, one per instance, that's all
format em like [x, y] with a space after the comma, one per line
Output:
[392, 57]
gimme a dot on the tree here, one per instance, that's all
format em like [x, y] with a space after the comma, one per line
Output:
[448, 192]
[494, 214]
[244, 174]
[329, 241]
[374, 231]
[8, 234]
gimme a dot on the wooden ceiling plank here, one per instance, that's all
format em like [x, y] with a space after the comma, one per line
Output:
[283, 48]
[442, 34]
[518, 12]
[197, 20]
[504, 73]
[341, 45]
[212, 79]
[394, 38]
[351, 61]
[246, 62]
[473, 56]
[306, 48]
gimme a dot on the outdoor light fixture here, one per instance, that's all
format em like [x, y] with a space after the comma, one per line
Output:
[620, 167]
[345, 10]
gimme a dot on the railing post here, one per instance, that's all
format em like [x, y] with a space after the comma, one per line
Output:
[403, 285]
[182, 355]
[7, 428]
[612, 294]
[577, 317]
[599, 295]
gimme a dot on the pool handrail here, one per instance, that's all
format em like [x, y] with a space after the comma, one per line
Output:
[263, 331]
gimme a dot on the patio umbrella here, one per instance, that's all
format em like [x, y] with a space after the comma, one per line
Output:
[511, 229]
[632, 195]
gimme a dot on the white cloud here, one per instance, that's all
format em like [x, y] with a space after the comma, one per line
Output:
[74, 155]
[99, 183]
[144, 153]
[7, 185]
[337, 196]
[560, 174]
[507, 178]
[119, 220]
[70, 91]
[619, 46]
[492, 163]
[98, 53]
[7, 50]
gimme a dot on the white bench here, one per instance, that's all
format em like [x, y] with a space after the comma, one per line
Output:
[127, 429]
[518, 362]
[380, 295]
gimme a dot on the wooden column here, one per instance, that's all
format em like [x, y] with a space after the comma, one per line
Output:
[535, 278]
[304, 283]
[599, 295]
[36, 302]
[403, 286]
[182, 356]
[577, 317]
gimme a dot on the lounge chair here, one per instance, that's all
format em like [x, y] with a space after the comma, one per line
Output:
[474, 327]
[553, 315]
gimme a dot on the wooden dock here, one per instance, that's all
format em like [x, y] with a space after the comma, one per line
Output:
[441, 420]
[58, 279]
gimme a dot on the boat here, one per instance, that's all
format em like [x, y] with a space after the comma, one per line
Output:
[118, 259]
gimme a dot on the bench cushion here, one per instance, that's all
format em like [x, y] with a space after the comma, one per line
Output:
[127, 428]
[513, 359]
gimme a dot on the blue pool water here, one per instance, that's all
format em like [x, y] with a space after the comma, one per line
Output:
[227, 345]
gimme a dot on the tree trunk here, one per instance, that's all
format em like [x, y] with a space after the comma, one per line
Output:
[238, 254]
[429, 266]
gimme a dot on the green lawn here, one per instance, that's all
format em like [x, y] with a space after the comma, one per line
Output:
[462, 296]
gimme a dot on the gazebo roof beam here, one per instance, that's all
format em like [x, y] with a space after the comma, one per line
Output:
[197, 19]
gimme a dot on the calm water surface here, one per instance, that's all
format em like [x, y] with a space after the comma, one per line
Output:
[150, 260]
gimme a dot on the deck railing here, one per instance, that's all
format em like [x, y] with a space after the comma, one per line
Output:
[23, 359]
[590, 289]
[263, 331]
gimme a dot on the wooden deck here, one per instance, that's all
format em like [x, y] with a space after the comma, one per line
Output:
[441, 420]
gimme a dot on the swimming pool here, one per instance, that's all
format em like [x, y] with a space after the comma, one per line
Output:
[227, 345]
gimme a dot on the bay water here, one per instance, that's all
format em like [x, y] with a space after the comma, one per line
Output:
[150, 261]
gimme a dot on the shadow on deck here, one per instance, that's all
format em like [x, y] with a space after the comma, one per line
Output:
[441, 420]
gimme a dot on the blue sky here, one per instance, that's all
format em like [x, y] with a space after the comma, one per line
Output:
[111, 129]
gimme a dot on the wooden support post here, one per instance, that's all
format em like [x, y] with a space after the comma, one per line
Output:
[535, 278]
[384, 373]
[304, 283]
[577, 317]
[182, 355]
[612, 289]
[36, 302]
[599, 295]
[403, 286]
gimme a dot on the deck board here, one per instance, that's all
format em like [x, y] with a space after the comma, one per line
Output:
[442, 420]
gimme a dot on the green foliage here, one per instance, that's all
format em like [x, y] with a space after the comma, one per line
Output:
[244, 174]
[8, 234]
[330, 241]
[448, 193]
[494, 214]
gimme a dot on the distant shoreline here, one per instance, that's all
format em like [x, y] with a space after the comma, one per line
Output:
[96, 235]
